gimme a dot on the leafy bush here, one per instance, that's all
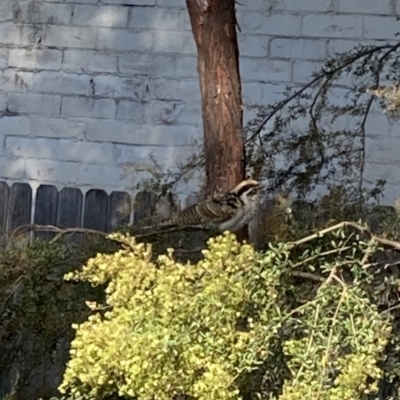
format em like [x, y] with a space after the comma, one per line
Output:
[298, 321]
[37, 308]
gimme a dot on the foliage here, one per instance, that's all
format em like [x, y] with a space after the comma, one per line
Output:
[316, 135]
[298, 321]
[37, 308]
[391, 96]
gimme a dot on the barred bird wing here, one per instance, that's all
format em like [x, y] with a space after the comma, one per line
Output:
[214, 210]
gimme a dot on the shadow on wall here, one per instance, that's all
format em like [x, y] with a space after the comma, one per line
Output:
[90, 91]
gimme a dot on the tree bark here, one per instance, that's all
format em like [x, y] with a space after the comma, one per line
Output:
[214, 30]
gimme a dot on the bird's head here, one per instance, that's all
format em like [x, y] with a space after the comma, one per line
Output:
[249, 189]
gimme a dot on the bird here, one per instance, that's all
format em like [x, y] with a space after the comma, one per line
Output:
[228, 211]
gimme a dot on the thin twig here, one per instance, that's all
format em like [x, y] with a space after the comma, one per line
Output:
[325, 253]
[63, 231]
[367, 110]
[307, 275]
[385, 264]
[384, 242]
[51, 228]
[328, 346]
[317, 78]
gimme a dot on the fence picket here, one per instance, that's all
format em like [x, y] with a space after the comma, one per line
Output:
[46, 209]
[119, 210]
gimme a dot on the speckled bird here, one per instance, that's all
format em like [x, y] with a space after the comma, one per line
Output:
[225, 211]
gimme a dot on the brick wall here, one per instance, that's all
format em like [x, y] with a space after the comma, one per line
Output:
[88, 87]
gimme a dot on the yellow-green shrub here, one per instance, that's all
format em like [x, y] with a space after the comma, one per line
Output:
[210, 329]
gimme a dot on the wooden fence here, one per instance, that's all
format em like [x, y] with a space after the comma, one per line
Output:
[70, 208]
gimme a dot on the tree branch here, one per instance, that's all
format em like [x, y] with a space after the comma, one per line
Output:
[329, 74]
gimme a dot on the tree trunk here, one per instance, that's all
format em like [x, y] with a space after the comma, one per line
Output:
[214, 29]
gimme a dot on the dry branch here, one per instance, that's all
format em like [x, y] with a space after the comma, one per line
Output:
[386, 243]
[23, 229]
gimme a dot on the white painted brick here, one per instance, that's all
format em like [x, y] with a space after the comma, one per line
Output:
[335, 26]
[89, 61]
[87, 107]
[43, 82]
[366, 7]
[131, 111]
[253, 45]
[30, 103]
[3, 57]
[129, 133]
[172, 3]
[339, 96]
[253, 5]
[10, 81]
[186, 67]
[192, 186]
[345, 79]
[174, 42]
[380, 124]
[249, 114]
[187, 25]
[86, 152]
[70, 37]
[35, 59]
[381, 27]
[76, 84]
[57, 127]
[298, 48]
[187, 90]
[382, 148]
[23, 81]
[9, 33]
[99, 175]
[12, 168]
[154, 112]
[302, 70]
[252, 93]
[337, 46]
[110, 16]
[32, 34]
[300, 5]
[115, 86]
[157, 18]
[52, 171]
[335, 123]
[130, 2]
[16, 146]
[120, 40]
[391, 194]
[14, 126]
[44, 13]
[3, 101]
[167, 156]
[6, 10]
[272, 24]
[191, 114]
[272, 92]
[82, 1]
[389, 172]
[265, 70]
[147, 64]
